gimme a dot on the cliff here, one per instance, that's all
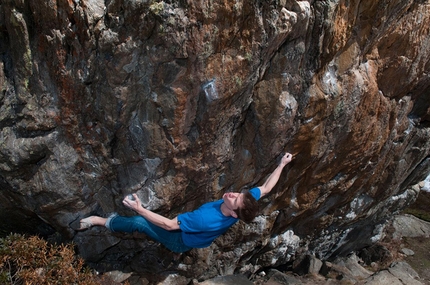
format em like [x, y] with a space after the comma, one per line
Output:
[181, 101]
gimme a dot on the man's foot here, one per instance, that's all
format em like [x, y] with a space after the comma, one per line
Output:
[83, 224]
[88, 222]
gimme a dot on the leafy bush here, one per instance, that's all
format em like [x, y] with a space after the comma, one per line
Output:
[33, 261]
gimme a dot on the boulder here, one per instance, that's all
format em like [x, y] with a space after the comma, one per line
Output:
[410, 226]
[226, 280]
[407, 251]
[383, 278]
[404, 273]
[181, 101]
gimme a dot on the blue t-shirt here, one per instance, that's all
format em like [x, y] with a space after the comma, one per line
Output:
[202, 226]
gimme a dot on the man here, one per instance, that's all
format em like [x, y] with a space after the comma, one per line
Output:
[195, 229]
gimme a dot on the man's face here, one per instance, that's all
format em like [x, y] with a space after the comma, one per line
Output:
[233, 200]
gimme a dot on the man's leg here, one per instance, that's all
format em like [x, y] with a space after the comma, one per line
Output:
[96, 220]
[170, 239]
[87, 223]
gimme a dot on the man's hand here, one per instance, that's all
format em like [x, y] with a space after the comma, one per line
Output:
[286, 159]
[135, 204]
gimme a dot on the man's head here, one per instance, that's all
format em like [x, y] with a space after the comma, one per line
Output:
[242, 205]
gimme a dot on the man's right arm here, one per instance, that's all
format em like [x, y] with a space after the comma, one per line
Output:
[154, 218]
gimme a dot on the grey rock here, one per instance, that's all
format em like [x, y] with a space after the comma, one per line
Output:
[227, 280]
[277, 277]
[174, 279]
[404, 273]
[410, 226]
[117, 276]
[407, 251]
[383, 278]
[351, 263]
[315, 265]
[398, 273]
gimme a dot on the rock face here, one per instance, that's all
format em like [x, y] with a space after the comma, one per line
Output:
[181, 101]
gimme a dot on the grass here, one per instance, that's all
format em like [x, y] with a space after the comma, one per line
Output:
[420, 261]
[420, 208]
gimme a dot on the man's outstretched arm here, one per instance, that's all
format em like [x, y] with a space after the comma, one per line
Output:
[274, 177]
[156, 219]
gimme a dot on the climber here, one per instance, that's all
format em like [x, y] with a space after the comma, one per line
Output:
[195, 229]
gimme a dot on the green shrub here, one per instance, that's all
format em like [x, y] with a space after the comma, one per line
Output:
[33, 261]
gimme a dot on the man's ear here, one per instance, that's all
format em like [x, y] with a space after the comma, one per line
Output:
[233, 214]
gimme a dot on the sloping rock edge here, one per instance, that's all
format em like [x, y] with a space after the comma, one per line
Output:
[381, 264]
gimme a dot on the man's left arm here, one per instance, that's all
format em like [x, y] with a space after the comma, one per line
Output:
[274, 176]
